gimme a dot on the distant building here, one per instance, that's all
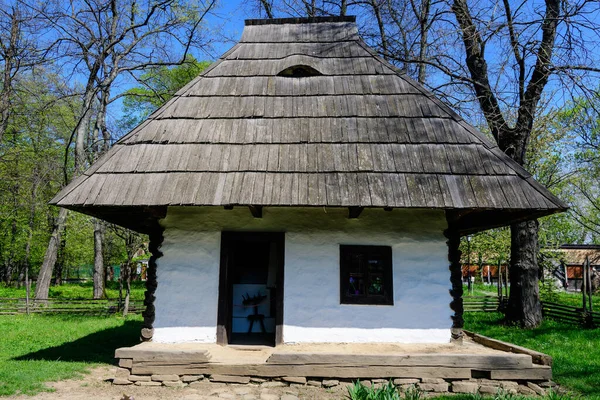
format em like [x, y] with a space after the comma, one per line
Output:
[488, 273]
[573, 256]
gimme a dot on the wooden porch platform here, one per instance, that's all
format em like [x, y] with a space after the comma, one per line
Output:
[336, 361]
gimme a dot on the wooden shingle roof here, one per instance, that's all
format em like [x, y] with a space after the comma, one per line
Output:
[577, 254]
[357, 134]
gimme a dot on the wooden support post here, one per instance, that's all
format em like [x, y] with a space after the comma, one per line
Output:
[354, 212]
[456, 283]
[256, 211]
[156, 239]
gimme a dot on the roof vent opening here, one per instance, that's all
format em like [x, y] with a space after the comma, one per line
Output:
[299, 71]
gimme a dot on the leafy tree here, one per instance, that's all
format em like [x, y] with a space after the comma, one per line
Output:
[106, 42]
[30, 165]
[582, 119]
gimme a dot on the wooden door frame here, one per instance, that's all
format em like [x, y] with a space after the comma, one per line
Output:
[224, 305]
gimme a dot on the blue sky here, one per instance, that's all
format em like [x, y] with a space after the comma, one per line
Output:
[229, 21]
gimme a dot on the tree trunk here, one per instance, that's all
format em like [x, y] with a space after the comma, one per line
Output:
[120, 289]
[59, 269]
[45, 276]
[10, 55]
[343, 8]
[423, 39]
[11, 262]
[524, 307]
[31, 220]
[127, 287]
[381, 26]
[268, 8]
[98, 260]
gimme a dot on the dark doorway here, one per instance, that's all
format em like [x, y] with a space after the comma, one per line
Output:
[251, 288]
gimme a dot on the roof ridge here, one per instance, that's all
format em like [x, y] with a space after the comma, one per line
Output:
[305, 20]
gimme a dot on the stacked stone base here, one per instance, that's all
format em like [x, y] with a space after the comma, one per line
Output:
[123, 376]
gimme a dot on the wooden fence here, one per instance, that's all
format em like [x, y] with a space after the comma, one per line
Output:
[481, 303]
[11, 306]
[570, 314]
[556, 311]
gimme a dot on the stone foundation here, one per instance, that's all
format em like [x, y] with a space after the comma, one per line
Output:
[123, 376]
[471, 367]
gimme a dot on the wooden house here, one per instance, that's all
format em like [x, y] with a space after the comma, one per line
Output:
[304, 190]
[486, 272]
[573, 258]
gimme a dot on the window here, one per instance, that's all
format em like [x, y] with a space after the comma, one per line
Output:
[299, 71]
[366, 275]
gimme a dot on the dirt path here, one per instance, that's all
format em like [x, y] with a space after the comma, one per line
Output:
[94, 386]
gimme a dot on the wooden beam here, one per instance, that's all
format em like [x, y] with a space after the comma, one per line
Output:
[536, 356]
[469, 221]
[450, 360]
[354, 212]
[167, 354]
[156, 240]
[256, 211]
[324, 371]
[456, 305]
[537, 373]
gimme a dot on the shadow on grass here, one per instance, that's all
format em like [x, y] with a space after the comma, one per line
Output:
[98, 347]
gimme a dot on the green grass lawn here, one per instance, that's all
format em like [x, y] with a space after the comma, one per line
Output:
[79, 291]
[574, 299]
[480, 289]
[41, 348]
[576, 351]
[36, 349]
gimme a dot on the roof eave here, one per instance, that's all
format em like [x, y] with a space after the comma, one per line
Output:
[145, 218]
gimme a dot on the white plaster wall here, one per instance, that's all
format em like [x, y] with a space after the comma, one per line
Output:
[188, 283]
[188, 274]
